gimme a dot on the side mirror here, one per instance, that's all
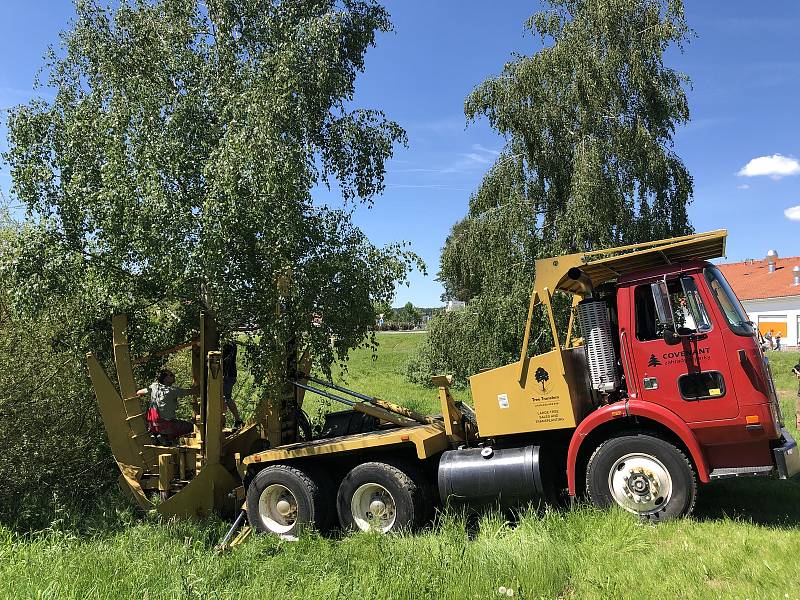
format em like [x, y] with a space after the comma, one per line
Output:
[671, 337]
[664, 311]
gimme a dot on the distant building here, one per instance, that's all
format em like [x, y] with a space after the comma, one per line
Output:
[770, 293]
[454, 305]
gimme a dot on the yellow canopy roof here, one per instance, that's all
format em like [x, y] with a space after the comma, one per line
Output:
[609, 264]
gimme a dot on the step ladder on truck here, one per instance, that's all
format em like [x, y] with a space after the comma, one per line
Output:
[658, 384]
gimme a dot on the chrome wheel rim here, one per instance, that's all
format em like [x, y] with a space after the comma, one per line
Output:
[277, 508]
[373, 508]
[640, 483]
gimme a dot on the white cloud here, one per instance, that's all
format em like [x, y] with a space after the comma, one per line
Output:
[432, 186]
[444, 125]
[481, 160]
[775, 166]
[792, 213]
[744, 186]
[479, 148]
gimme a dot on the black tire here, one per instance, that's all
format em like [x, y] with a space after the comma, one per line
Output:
[309, 498]
[650, 477]
[408, 497]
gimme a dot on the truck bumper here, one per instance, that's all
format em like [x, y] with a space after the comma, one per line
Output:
[787, 456]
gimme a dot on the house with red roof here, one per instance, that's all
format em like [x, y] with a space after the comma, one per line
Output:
[770, 293]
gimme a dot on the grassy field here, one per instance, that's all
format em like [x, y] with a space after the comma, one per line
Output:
[742, 542]
[384, 375]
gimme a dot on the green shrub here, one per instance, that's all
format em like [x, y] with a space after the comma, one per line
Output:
[487, 333]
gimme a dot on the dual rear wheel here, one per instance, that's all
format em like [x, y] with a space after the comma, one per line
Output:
[383, 497]
[380, 496]
[283, 499]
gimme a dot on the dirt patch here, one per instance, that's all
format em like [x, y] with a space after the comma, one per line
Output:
[716, 584]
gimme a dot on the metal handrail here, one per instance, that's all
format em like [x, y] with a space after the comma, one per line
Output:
[339, 388]
[324, 394]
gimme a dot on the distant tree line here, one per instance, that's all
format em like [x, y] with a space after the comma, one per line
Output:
[404, 318]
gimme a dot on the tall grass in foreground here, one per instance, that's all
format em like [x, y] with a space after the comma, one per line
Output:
[582, 553]
[743, 542]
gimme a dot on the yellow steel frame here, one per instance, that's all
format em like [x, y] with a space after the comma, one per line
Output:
[146, 467]
[547, 301]
[426, 440]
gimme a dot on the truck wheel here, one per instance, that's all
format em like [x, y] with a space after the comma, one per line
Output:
[643, 474]
[283, 500]
[383, 497]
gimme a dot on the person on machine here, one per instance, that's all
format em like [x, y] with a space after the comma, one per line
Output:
[161, 421]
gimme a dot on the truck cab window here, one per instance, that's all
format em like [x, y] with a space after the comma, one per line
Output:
[727, 301]
[699, 386]
[688, 309]
[691, 307]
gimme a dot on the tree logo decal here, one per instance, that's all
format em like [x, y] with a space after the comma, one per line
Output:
[653, 362]
[542, 376]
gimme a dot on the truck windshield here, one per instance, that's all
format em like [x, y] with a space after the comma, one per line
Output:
[728, 302]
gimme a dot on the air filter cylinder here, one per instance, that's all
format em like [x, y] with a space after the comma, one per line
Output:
[598, 343]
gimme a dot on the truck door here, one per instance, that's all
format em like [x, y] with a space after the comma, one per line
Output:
[687, 371]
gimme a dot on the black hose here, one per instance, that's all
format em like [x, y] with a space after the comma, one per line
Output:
[304, 423]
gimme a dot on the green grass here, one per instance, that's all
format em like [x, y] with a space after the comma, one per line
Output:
[384, 374]
[742, 542]
[381, 374]
[582, 553]
[787, 384]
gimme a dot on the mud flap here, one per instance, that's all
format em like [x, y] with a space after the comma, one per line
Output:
[787, 456]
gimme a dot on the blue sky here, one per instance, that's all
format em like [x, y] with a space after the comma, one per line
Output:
[742, 146]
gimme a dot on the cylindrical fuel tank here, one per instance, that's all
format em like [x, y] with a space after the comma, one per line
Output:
[480, 476]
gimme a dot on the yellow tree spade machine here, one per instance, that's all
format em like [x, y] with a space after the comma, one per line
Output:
[658, 383]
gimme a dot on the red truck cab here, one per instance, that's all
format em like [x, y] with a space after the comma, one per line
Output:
[694, 375]
[708, 370]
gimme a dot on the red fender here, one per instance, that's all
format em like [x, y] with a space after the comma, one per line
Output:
[648, 410]
[585, 427]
